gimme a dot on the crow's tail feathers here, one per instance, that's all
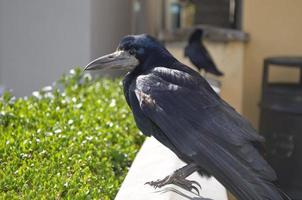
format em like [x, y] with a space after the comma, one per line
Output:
[283, 194]
[216, 72]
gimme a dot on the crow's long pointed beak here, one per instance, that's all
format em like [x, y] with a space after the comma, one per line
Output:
[117, 60]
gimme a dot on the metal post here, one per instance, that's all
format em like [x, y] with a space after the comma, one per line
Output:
[301, 75]
[265, 76]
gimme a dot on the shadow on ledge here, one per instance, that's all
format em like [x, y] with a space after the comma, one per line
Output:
[171, 189]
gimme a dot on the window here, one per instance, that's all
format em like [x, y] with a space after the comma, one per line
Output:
[221, 13]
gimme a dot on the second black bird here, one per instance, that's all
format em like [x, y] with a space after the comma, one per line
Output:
[198, 54]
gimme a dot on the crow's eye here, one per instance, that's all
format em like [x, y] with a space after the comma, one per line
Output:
[132, 51]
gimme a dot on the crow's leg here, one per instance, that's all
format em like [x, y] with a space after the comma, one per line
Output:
[179, 178]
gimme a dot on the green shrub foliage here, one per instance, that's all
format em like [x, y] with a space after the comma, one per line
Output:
[75, 140]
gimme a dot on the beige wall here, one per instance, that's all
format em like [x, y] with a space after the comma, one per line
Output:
[228, 56]
[275, 27]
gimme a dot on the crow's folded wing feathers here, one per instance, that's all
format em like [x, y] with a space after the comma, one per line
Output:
[204, 128]
[206, 54]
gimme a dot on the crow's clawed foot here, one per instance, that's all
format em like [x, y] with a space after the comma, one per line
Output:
[176, 180]
[159, 183]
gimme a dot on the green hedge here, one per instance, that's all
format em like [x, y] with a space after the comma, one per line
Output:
[71, 143]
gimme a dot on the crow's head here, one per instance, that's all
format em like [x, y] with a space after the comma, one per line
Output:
[196, 35]
[134, 51]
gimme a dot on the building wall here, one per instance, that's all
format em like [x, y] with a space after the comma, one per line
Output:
[110, 20]
[147, 16]
[40, 39]
[275, 28]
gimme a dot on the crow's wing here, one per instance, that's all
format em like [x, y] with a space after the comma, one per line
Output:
[208, 131]
[201, 58]
[199, 55]
[211, 66]
[206, 55]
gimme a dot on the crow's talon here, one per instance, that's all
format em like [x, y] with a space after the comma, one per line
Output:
[176, 180]
[196, 183]
[188, 185]
[192, 188]
[158, 183]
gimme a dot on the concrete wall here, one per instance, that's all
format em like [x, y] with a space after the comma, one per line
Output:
[110, 20]
[41, 39]
[275, 28]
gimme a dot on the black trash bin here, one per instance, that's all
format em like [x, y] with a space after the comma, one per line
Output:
[281, 125]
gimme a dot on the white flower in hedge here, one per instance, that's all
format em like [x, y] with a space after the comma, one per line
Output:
[72, 71]
[58, 131]
[37, 94]
[47, 89]
[112, 103]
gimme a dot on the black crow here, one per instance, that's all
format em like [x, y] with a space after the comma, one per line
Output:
[177, 106]
[198, 54]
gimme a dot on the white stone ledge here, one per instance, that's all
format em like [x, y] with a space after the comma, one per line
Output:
[155, 161]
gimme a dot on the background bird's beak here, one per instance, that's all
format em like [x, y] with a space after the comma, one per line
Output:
[116, 60]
